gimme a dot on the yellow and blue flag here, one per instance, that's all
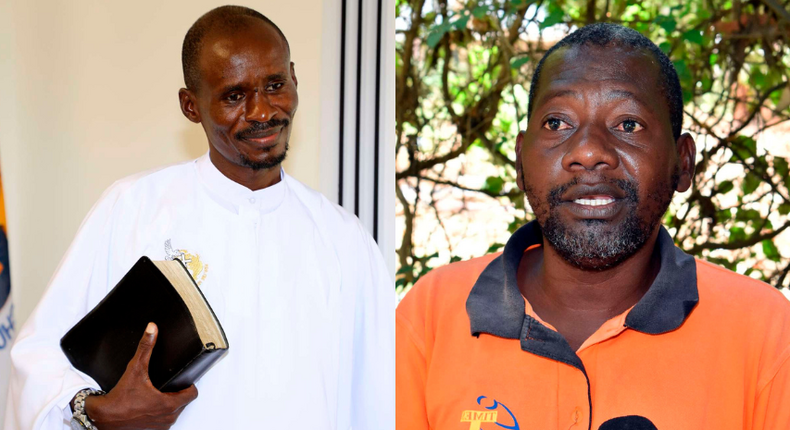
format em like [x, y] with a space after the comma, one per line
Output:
[6, 308]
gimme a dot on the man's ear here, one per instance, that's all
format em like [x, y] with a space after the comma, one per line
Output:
[293, 75]
[687, 157]
[188, 103]
[519, 167]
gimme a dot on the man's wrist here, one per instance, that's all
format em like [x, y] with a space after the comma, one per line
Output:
[81, 406]
[93, 408]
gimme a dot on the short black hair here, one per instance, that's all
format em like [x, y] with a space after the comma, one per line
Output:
[224, 17]
[607, 34]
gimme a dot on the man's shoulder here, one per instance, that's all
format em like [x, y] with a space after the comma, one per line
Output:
[444, 290]
[742, 308]
[325, 211]
[730, 290]
[452, 276]
[158, 178]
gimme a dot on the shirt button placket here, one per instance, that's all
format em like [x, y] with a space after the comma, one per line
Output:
[576, 416]
[574, 408]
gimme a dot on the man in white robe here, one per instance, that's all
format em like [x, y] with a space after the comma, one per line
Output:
[300, 288]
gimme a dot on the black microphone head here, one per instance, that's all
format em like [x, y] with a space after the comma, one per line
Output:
[630, 422]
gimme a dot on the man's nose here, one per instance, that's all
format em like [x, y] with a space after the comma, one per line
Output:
[258, 108]
[591, 148]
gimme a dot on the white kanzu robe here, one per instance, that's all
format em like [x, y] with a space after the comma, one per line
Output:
[299, 287]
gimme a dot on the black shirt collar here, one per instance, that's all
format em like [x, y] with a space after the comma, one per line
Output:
[496, 306]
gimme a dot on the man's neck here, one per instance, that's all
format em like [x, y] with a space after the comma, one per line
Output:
[246, 176]
[577, 301]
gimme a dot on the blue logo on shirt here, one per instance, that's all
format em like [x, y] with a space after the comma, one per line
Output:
[496, 416]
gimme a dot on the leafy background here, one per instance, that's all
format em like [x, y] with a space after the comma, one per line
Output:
[463, 73]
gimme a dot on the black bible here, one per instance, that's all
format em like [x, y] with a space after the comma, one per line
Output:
[190, 337]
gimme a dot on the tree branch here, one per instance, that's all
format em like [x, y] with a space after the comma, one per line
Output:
[738, 244]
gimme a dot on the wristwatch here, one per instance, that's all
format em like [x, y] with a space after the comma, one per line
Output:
[80, 420]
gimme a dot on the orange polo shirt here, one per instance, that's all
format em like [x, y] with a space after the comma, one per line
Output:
[705, 348]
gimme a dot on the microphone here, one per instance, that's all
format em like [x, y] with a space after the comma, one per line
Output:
[630, 422]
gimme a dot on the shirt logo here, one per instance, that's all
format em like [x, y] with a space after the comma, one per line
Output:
[490, 415]
[192, 261]
[476, 418]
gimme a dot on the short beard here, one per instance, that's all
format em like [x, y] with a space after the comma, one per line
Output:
[265, 164]
[597, 247]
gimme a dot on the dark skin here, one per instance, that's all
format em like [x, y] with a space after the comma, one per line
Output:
[246, 77]
[134, 403]
[597, 115]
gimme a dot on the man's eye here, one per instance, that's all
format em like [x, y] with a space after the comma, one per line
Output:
[555, 124]
[234, 97]
[629, 126]
[274, 87]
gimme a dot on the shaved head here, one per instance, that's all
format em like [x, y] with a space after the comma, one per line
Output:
[223, 18]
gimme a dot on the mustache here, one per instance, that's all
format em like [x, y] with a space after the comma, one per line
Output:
[260, 127]
[629, 189]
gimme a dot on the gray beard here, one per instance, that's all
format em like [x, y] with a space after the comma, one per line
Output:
[600, 245]
[263, 165]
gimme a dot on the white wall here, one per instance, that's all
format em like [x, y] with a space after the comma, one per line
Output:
[88, 95]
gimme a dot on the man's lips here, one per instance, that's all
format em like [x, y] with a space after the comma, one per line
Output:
[263, 137]
[593, 194]
[601, 209]
[593, 201]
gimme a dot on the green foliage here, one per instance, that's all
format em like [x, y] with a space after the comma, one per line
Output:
[770, 250]
[743, 148]
[494, 184]
[693, 36]
[668, 23]
[496, 247]
[518, 62]
[555, 16]
[463, 73]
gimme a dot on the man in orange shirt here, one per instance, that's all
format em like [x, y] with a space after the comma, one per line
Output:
[591, 318]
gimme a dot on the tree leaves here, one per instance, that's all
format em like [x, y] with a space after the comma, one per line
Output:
[555, 16]
[770, 250]
[516, 63]
[494, 184]
[737, 234]
[480, 12]
[747, 215]
[725, 187]
[437, 34]
[750, 183]
[460, 23]
[496, 247]
[781, 167]
[743, 148]
[668, 23]
[466, 60]
[693, 36]
[686, 80]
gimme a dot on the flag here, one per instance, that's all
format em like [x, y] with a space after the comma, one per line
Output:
[6, 309]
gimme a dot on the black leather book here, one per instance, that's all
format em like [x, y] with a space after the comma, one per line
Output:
[190, 337]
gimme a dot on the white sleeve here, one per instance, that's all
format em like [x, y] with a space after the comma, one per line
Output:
[373, 378]
[42, 380]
